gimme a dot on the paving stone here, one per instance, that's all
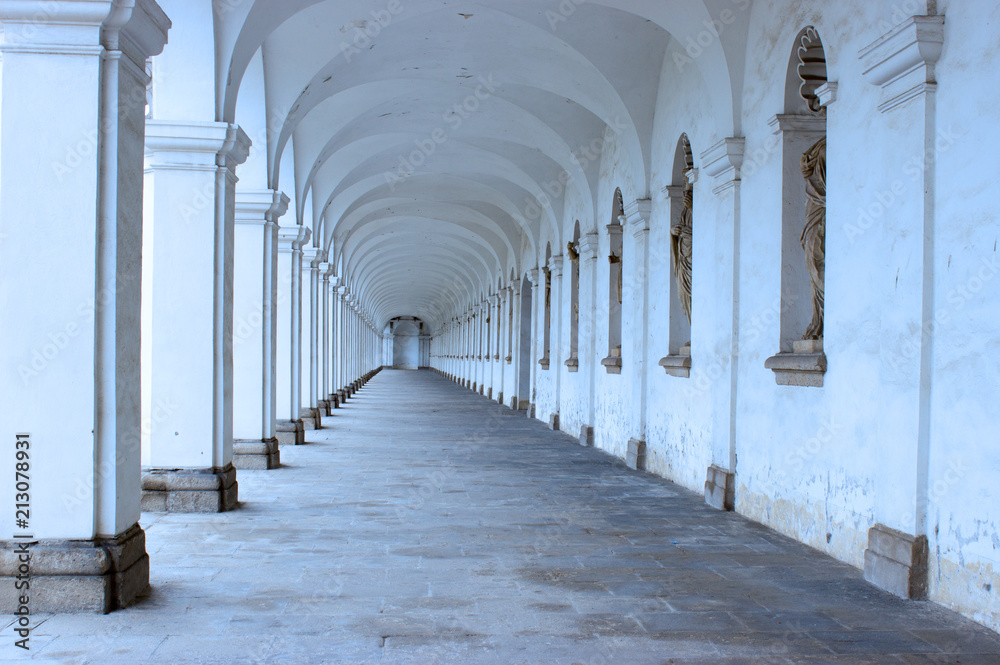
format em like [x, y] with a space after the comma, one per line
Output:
[454, 534]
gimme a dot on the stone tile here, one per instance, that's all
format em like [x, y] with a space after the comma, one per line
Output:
[454, 534]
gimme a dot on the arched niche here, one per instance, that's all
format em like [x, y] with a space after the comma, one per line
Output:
[801, 130]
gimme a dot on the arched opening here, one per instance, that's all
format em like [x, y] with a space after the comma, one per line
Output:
[802, 131]
[405, 332]
[573, 251]
[524, 347]
[613, 363]
[681, 232]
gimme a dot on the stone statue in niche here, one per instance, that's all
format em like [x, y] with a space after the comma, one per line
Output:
[813, 237]
[617, 260]
[574, 255]
[680, 249]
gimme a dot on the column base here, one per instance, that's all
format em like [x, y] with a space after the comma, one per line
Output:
[334, 400]
[531, 410]
[99, 575]
[489, 392]
[586, 435]
[342, 396]
[311, 419]
[500, 397]
[554, 421]
[291, 433]
[324, 408]
[207, 490]
[251, 454]
[897, 562]
[720, 488]
[635, 457]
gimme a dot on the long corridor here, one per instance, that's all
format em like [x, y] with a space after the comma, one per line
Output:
[425, 524]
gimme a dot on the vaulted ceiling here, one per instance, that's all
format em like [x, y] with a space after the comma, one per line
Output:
[428, 135]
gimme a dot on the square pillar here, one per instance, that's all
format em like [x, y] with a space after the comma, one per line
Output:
[255, 292]
[289, 428]
[73, 82]
[190, 204]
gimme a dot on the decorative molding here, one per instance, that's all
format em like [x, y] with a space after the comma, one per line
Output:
[675, 192]
[588, 245]
[555, 265]
[827, 93]
[902, 61]
[676, 365]
[637, 215]
[722, 163]
[798, 369]
[792, 123]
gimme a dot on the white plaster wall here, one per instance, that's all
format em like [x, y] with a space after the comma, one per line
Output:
[963, 512]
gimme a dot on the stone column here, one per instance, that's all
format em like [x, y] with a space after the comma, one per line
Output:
[636, 333]
[534, 276]
[289, 427]
[722, 163]
[587, 352]
[902, 64]
[331, 384]
[341, 343]
[312, 257]
[73, 81]
[555, 266]
[325, 407]
[190, 203]
[255, 295]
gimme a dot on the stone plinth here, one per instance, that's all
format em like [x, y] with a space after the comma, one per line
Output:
[897, 562]
[291, 432]
[99, 575]
[720, 488]
[635, 457]
[263, 454]
[586, 435]
[211, 490]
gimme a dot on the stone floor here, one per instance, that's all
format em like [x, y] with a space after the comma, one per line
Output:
[427, 525]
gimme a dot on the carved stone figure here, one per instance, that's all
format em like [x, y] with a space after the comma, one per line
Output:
[813, 237]
[574, 255]
[680, 249]
[613, 259]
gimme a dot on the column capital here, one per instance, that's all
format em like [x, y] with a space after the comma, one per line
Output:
[293, 237]
[723, 161]
[902, 61]
[235, 150]
[260, 206]
[637, 215]
[188, 146]
[533, 276]
[588, 246]
[326, 269]
[70, 27]
[555, 265]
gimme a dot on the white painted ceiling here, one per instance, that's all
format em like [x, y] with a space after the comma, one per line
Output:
[551, 76]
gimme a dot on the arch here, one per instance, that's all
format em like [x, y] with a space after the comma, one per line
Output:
[803, 193]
